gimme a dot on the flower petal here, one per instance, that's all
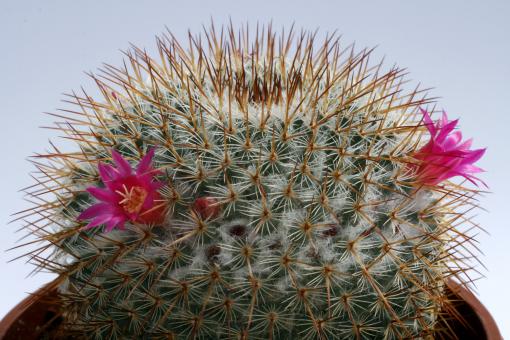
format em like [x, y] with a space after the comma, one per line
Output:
[115, 222]
[474, 156]
[145, 164]
[98, 221]
[444, 119]
[107, 172]
[95, 210]
[446, 129]
[452, 140]
[466, 145]
[428, 122]
[103, 194]
[123, 166]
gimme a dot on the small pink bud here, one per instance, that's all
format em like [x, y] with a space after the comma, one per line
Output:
[206, 207]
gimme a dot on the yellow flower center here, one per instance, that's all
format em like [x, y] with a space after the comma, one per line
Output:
[132, 199]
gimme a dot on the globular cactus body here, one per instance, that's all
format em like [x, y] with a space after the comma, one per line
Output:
[292, 208]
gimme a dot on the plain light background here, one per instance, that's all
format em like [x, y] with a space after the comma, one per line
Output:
[461, 48]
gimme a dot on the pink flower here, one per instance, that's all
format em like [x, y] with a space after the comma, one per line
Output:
[445, 155]
[127, 195]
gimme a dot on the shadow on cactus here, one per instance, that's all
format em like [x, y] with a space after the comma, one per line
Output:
[268, 188]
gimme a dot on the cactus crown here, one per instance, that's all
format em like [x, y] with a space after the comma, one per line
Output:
[291, 204]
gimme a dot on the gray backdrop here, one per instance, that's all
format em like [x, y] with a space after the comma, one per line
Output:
[461, 48]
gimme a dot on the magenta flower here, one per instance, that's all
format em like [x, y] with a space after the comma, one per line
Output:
[445, 155]
[127, 195]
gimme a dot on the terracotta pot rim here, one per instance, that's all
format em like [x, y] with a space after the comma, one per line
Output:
[9, 320]
[489, 324]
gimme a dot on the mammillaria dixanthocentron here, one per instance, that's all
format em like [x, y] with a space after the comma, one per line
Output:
[284, 190]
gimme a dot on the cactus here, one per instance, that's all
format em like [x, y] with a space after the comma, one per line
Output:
[290, 197]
